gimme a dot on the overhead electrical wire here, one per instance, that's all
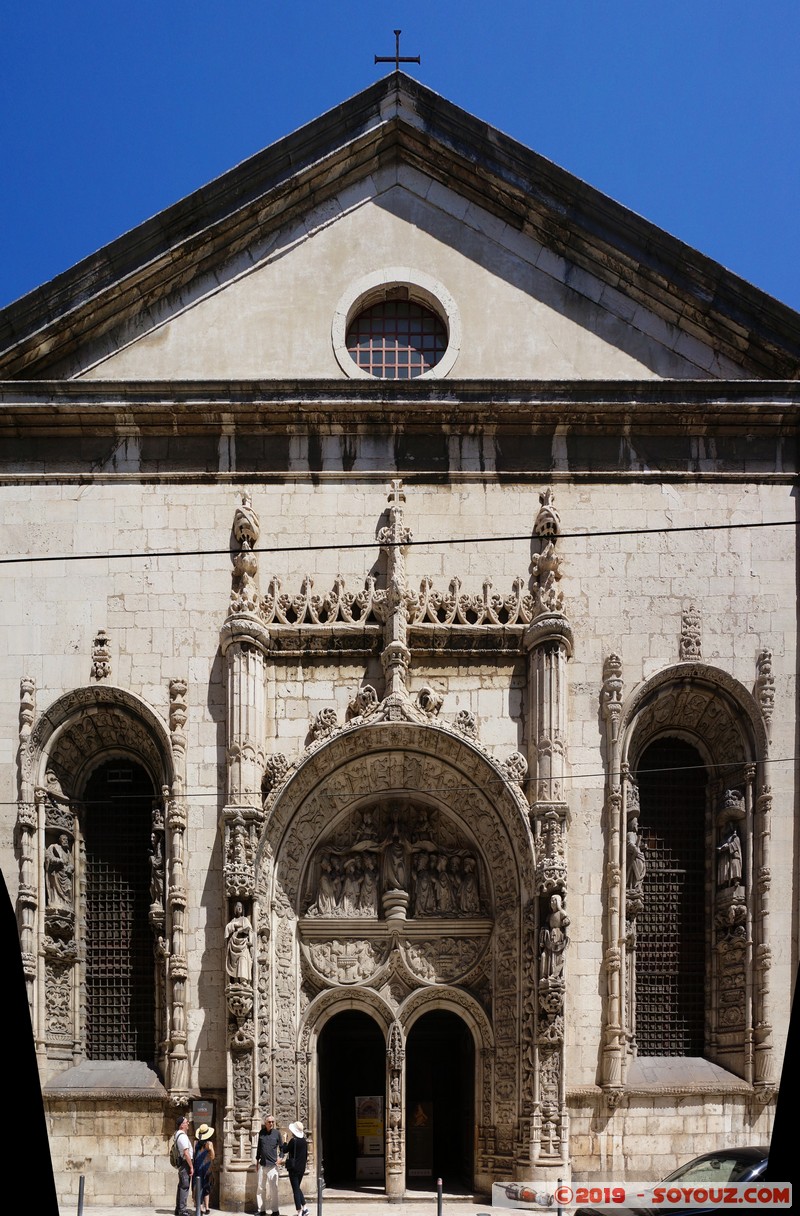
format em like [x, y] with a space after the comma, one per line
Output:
[457, 789]
[390, 544]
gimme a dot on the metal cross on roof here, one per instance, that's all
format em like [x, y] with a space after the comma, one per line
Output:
[397, 58]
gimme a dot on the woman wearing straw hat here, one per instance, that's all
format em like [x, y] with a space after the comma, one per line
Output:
[295, 1157]
[203, 1157]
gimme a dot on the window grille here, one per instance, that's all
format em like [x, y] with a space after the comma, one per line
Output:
[396, 339]
[671, 935]
[120, 1011]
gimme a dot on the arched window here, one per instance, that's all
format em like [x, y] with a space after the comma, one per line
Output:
[671, 970]
[119, 976]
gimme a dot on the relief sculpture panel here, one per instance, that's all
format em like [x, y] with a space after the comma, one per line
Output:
[396, 861]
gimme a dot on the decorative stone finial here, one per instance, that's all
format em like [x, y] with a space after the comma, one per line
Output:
[101, 656]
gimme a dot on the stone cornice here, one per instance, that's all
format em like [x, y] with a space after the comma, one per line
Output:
[197, 406]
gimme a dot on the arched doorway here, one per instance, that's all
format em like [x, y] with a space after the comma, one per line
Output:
[440, 1099]
[352, 1065]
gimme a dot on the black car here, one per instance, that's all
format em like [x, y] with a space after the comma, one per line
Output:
[710, 1170]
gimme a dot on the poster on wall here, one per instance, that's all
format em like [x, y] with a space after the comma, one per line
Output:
[370, 1137]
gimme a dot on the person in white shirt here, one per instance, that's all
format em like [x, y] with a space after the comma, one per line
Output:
[185, 1167]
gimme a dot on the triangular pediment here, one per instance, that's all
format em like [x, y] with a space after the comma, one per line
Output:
[546, 278]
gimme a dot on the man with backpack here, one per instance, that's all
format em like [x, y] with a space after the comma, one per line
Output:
[183, 1152]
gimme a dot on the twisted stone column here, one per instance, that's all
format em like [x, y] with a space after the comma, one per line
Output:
[548, 642]
[245, 643]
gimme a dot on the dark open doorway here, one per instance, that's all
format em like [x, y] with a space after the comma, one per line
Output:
[352, 1064]
[440, 1114]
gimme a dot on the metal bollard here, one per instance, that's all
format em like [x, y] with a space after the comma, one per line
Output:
[560, 1209]
[438, 1197]
[198, 1194]
[81, 1182]
[320, 1189]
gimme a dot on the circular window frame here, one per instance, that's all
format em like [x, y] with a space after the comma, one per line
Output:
[382, 285]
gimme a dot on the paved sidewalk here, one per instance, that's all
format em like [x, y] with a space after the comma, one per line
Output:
[360, 1205]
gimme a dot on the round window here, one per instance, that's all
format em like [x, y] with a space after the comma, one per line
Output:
[396, 339]
[396, 323]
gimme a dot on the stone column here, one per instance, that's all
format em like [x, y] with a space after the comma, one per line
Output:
[245, 643]
[548, 642]
[178, 970]
[614, 1029]
[396, 656]
[27, 898]
[763, 1078]
[395, 1105]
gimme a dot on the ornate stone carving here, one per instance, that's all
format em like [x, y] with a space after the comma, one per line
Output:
[58, 1001]
[466, 722]
[340, 804]
[611, 695]
[700, 705]
[101, 656]
[453, 608]
[336, 607]
[636, 863]
[325, 723]
[548, 520]
[244, 586]
[517, 767]
[553, 941]
[551, 863]
[442, 960]
[733, 808]
[545, 569]
[96, 718]
[691, 647]
[395, 1053]
[27, 708]
[157, 875]
[729, 858]
[347, 962]
[239, 946]
[429, 700]
[765, 685]
[178, 711]
[364, 703]
[59, 871]
[275, 769]
[398, 860]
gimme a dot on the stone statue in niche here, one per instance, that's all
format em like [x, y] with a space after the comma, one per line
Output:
[326, 902]
[729, 859]
[424, 892]
[468, 898]
[395, 869]
[553, 941]
[444, 887]
[239, 946]
[157, 869]
[59, 869]
[367, 829]
[634, 851]
[368, 896]
[351, 887]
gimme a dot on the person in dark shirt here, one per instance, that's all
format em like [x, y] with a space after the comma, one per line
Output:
[267, 1153]
[296, 1156]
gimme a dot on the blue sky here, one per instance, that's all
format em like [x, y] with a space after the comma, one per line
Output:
[686, 111]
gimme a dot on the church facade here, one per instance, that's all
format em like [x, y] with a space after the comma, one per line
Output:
[399, 695]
